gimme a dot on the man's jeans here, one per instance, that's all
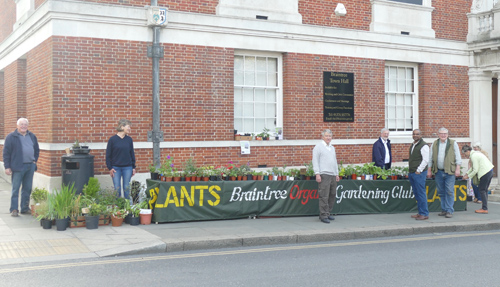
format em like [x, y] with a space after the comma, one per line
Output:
[446, 190]
[417, 182]
[124, 172]
[24, 178]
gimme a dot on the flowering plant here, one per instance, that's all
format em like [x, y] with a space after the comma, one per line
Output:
[232, 169]
[167, 167]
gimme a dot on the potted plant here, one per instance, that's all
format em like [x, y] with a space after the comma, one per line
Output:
[118, 215]
[135, 189]
[145, 213]
[133, 214]
[80, 149]
[153, 171]
[310, 175]
[63, 202]
[245, 170]
[189, 168]
[46, 214]
[92, 217]
[92, 188]
[38, 195]
[264, 135]
[76, 219]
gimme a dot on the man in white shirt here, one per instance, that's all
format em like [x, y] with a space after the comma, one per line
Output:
[419, 157]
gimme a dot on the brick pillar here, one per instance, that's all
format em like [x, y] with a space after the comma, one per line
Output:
[2, 112]
[14, 95]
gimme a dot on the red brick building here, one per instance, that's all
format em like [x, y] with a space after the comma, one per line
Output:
[74, 68]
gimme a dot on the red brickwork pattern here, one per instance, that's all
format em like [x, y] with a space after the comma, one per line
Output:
[443, 100]
[7, 18]
[449, 19]
[303, 96]
[2, 106]
[322, 13]
[39, 91]
[14, 94]
[199, 6]
[197, 93]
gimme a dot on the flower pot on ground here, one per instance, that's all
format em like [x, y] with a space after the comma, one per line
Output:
[117, 216]
[46, 223]
[134, 220]
[61, 224]
[145, 218]
[116, 221]
[92, 221]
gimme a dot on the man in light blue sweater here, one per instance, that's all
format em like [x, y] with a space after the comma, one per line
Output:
[327, 174]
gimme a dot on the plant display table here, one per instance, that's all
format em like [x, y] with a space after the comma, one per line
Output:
[190, 201]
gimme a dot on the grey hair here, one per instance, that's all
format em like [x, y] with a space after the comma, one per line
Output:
[477, 144]
[22, 119]
[466, 148]
[443, 130]
[327, 131]
[121, 124]
[384, 130]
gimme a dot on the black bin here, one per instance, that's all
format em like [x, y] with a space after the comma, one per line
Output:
[77, 169]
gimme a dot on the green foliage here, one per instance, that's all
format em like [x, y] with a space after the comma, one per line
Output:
[62, 201]
[135, 210]
[46, 210]
[96, 209]
[92, 188]
[264, 134]
[245, 169]
[119, 212]
[309, 169]
[152, 168]
[135, 189]
[189, 167]
[107, 196]
[39, 195]
[143, 205]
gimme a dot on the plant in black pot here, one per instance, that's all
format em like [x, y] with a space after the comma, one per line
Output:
[63, 201]
[80, 149]
[46, 214]
[133, 214]
[92, 217]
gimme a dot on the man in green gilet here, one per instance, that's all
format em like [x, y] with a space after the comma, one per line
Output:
[419, 156]
[444, 163]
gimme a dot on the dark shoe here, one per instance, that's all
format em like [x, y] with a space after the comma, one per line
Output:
[482, 211]
[26, 211]
[325, 220]
[448, 215]
[331, 217]
[415, 215]
[443, 213]
[422, 217]
[14, 213]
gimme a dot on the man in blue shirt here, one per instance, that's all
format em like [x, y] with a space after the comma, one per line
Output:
[381, 152]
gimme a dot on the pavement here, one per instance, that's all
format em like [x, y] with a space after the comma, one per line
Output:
[23, 240]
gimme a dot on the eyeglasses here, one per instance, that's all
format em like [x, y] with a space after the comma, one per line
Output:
[443, 133]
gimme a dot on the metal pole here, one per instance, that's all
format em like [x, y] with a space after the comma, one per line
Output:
[156, 96]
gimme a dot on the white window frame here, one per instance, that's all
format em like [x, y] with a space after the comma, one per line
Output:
[279, 86]
[415, 120]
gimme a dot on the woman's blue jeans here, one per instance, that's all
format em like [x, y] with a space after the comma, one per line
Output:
[122, 173]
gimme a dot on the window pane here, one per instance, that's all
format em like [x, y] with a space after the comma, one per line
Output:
[270, 124]
[249, 63]
[238, 78]
[272, 79]
[238, 63]
[271, 110]
[271, 96]
[249, 78]
[261, 64]
[247, 125]
[260, 95]
[260, 110]
[247, 110]
[272, 65]
[238, 124]
[261, 79]
[260, 124]
[238, 96]
[408, 99]
[238, 110]
[248, 95]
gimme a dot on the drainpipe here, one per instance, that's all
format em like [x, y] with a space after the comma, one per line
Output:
[157, 17]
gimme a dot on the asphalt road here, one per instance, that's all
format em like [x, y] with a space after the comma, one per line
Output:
[451, 259]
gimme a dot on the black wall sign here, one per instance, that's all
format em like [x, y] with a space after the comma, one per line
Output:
[338, 97]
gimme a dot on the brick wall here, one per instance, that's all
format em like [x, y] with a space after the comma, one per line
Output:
[444, 99]
[2, 106]
[7, 18]
[449, 19]
[303, 96]
[14, 94]
[322, 13]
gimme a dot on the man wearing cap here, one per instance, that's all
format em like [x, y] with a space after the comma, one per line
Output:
[444, 163]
